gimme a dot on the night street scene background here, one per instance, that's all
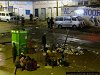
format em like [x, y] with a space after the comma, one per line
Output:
[50, 37]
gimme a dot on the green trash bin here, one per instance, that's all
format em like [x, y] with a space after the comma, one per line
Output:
[19, 37]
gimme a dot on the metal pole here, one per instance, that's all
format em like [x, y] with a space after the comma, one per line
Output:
[57, 8]
[66, 36]
[8, 5]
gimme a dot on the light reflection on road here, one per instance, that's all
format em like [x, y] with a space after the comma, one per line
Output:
[62, 37]
[2, 59]
[4, 73]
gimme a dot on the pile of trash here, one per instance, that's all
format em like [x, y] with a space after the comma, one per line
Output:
[68, 49]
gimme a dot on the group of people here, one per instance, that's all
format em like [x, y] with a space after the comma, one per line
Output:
[54, 61]
[25, 63]
[18, 18]
[50, 22]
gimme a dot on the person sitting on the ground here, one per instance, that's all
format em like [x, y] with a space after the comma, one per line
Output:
[20, 63]
[47, 60]
[28, 64]
[33, 64]
[27, 58]
[53, 62]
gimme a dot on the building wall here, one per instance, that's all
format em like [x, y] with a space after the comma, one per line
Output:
[18, 7]
[88, 13]
[92, 2]
[45, 8]
[51, 6]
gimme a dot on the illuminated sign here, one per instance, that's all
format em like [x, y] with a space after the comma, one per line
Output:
[91, 12]
[85, 11]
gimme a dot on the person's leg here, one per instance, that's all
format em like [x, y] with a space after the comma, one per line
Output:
[15, 70]
[45, 47]
[23, 67]
[13, 59]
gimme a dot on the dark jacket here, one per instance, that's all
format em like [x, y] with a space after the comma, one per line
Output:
[44, 39]
[14, 51]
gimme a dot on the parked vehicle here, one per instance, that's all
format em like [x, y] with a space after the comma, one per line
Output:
[68, 21]
[5, 15]
[16, 19]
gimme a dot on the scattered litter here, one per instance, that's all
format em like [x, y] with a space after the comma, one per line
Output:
[33, 33]
[51, 73]
[97, 52]
[37, 27]
[49, 67]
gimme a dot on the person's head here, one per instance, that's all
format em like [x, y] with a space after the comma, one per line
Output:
[51, 18]
[28, 58]
[44, 33]
[13, 44]
[21, 55]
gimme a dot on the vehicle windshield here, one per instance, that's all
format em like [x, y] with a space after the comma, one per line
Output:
[11, 14]
[80, 18]
[59, 19]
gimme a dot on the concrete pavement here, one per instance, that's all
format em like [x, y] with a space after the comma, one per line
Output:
[5, 73]
[77, 64]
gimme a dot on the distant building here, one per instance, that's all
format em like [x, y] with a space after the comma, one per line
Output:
[39, 8]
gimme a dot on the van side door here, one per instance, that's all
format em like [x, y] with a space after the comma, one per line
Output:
[67, 21]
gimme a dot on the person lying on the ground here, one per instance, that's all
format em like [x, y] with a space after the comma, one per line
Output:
[31, 64]
[20, 63]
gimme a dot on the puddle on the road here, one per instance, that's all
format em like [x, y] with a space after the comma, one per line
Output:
[71, 39]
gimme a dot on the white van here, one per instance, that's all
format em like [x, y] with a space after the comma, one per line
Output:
[5, 15]
[68, 21]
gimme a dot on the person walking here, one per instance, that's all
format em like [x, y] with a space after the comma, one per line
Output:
[17, 20]
[14, 52]
[44, 41]
[22, 21]
[51, 23]
[31, 17]
[95, 21]
[48, 22]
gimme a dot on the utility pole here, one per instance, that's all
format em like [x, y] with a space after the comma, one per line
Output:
[57, 8]
[8, 5]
